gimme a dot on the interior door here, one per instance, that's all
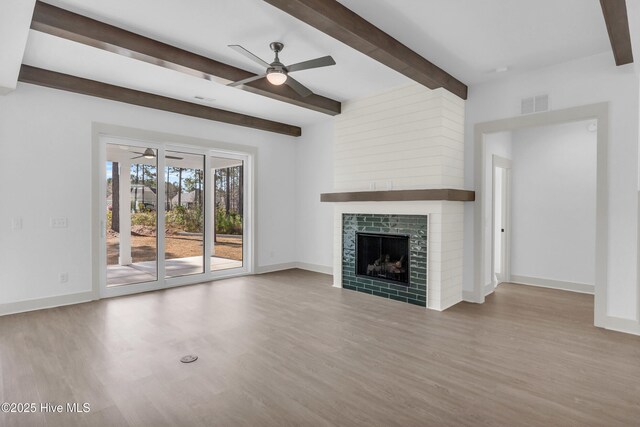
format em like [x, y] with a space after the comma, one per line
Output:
[501, 220]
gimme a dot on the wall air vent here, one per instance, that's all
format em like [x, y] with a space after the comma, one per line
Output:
[534, 104]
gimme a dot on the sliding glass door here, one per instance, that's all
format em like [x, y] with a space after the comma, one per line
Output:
[172, 215]
[132, 214]
[184, 214]
[228, 213]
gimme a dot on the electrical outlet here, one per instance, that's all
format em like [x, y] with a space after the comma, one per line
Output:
[64, 277]
[16, 223]
[60, 222]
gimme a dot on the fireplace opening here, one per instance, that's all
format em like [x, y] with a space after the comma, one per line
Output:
[383, 257]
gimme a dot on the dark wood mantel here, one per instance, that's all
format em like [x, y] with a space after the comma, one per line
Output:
[400, 196]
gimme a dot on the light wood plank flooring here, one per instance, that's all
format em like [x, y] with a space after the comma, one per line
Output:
[287, 349]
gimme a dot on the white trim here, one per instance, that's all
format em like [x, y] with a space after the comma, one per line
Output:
[276, 267]
[324, 269]
[209, 214]
[48, 302]
[316, 268]
[470, 296]
[638, 270]
[582, 288]
[161, 195]
[489, 288]
[501, 162]
[628, 326]
[598, 111]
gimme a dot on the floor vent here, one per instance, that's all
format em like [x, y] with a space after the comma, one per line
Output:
[534, 104]
[189, 358]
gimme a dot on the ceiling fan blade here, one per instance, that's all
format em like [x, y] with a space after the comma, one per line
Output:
[251, 56]
[247, 80]
[325, 61]
[175, 158]
[133, 158]
[298, 87]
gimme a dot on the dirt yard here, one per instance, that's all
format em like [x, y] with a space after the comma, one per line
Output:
[143, 248]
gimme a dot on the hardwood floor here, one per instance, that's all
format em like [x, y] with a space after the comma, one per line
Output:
[288, 349]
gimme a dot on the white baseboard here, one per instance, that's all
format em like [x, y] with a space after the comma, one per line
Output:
[42, 303]
[552, 284]
[470, 296]
[489, 288]
[315, 268]
[618, 324]
[289, 265]
[275, 267]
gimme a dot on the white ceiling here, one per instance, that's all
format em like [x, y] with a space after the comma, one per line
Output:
[471, 38]
[466, 38]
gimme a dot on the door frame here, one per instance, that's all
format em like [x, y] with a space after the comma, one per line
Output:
[167, 142]
[506, 164]
[600, 112]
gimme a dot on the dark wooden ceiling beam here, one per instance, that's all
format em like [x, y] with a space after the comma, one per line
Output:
[78, 28]
[52, 79]
[615, 16]
[334, 19]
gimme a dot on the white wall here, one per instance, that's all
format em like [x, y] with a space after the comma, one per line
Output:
[498, 144]
[554, 203]
[581, 82]
[314, 175]
[410, 137]
[45, 171]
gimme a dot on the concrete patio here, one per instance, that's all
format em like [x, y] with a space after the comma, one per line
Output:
[140, 272]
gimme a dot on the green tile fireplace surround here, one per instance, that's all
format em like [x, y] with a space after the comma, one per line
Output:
[414, 226]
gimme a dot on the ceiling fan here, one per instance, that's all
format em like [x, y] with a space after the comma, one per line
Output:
[149, 153]
[277, 73]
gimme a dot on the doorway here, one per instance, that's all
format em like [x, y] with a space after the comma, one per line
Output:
[483, 232]
[171, 215]
[501, 220]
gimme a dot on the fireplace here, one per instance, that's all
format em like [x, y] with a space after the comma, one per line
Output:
[383, 257]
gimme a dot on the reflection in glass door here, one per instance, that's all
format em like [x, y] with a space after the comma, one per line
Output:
[184, 214]
[132, 217]
[227, 174]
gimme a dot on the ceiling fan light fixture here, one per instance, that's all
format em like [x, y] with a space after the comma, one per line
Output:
[277, 73]
[149, 154]
[276, 77]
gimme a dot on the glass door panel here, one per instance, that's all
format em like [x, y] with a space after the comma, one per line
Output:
[184, 214]
[227, 174]
[132, 217]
